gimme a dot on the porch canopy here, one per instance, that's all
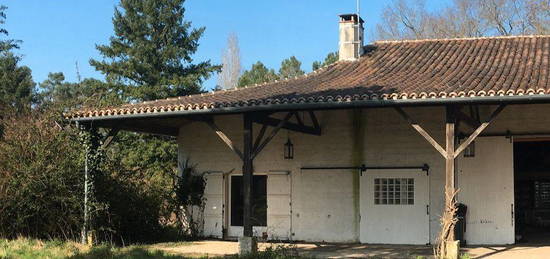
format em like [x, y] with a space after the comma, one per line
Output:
[436, 72]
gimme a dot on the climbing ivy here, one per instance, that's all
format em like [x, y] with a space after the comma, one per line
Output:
[189, 192]
[90, 140]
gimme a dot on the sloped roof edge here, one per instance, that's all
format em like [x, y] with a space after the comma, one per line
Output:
[407, 72]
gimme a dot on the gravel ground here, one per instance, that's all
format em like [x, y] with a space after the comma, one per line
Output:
[219, 248]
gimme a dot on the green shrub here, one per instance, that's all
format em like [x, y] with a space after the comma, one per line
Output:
[42, 183]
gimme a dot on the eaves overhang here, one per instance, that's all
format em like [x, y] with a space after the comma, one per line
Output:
[484, 100]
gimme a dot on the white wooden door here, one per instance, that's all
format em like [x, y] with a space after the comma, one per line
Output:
[486, 186]
[394, 207]
[278, 206]
[213, 211]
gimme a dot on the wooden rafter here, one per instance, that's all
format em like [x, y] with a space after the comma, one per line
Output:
[422, 132]
[273, 122]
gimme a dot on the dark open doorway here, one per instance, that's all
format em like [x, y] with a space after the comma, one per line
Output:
[259, 200]
[532, 191]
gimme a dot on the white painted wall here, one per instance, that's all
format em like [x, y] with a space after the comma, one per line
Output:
[325, 204]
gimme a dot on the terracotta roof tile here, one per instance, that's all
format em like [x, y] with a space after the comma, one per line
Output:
[413, 69]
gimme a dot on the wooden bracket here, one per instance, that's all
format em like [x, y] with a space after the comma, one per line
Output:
[297, 127]
[259, 137]
[210, 122]
[258, 148]
[463, 117]
[422, 132]
[265, 120]
[479, 129]
[473, 123]
[110, 137]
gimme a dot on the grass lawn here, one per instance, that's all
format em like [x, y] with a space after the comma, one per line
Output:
[29, 249]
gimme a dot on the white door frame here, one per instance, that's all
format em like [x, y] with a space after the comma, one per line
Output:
[237, 231]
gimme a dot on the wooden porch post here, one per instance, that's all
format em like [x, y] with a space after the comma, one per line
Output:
[247, 244]
[450, 168]
[247, 175]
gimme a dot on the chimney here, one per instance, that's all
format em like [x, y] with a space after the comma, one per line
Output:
[351, 37]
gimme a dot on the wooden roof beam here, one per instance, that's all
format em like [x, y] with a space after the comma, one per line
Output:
[273, 122]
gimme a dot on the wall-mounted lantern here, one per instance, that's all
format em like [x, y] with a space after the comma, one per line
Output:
[470, 151]
[289, 149]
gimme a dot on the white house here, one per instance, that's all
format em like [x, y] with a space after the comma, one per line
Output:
[375, 139]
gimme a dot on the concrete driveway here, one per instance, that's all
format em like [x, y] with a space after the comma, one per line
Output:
[505, 252]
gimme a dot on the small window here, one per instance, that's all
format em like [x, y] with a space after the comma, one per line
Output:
[394, 191]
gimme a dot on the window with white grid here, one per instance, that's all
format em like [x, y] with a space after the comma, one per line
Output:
[394, 191]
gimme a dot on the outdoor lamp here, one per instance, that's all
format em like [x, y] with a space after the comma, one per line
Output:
[289, 149]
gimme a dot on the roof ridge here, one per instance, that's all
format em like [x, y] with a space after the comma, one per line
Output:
[465, 38]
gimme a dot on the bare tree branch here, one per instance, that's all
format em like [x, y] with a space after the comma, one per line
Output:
[409, 19]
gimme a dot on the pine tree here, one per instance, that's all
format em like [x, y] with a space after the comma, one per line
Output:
[290, 67]
[258, 74]
[329, 59]
[6, 44]
[16, 84]
[152, 50]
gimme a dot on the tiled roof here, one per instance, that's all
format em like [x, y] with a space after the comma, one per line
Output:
[389, 70]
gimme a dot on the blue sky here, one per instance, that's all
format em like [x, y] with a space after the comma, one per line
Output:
[58, 33]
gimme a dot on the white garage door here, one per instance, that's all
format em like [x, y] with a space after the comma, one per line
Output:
[486, 186]
[394, 207]
[213, 210]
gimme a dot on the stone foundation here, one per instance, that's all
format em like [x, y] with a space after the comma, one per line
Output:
[247, 245]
